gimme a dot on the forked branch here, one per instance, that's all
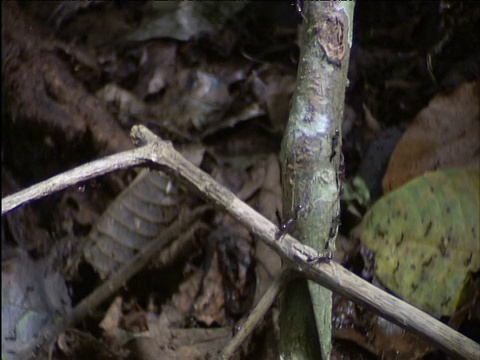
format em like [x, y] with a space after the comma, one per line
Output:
[302, 258]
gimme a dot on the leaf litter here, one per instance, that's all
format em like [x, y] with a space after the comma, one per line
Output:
[85, 78]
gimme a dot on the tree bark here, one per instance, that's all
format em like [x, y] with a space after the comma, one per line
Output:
[311, 157]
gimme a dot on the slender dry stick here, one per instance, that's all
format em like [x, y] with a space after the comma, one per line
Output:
[88, 171]
[257, 313]
[301, 257]
[115, 282]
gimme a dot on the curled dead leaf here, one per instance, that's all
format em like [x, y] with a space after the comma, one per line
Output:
[444, 135]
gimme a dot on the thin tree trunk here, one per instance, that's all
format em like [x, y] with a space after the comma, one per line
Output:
[311, 157]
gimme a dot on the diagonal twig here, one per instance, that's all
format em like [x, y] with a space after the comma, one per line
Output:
[301, 257]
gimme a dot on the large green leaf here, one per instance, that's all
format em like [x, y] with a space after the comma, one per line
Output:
[426, 238]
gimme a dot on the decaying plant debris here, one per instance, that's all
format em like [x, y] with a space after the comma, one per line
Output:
[74, 82]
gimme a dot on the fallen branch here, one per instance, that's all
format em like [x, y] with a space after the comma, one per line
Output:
[302, 258]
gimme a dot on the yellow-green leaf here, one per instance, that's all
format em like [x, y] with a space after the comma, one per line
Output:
[426, 238]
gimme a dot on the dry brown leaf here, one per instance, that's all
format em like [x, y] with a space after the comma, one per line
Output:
[194, 101]
[444, 135]
[167, 342]
[374, 334]
[209, 307]
[110, 321]
[269, 202]
[184, 298]
[234, 246]
[274, 90]
[157, 68]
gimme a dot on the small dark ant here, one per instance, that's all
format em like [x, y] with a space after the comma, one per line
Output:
[299, 6]
[336, 221]
[341, 168]
[334, 144]
[287, 225]
[321, 258]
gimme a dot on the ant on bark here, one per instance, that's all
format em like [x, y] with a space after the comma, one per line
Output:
[287, 225]
[299, 6]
